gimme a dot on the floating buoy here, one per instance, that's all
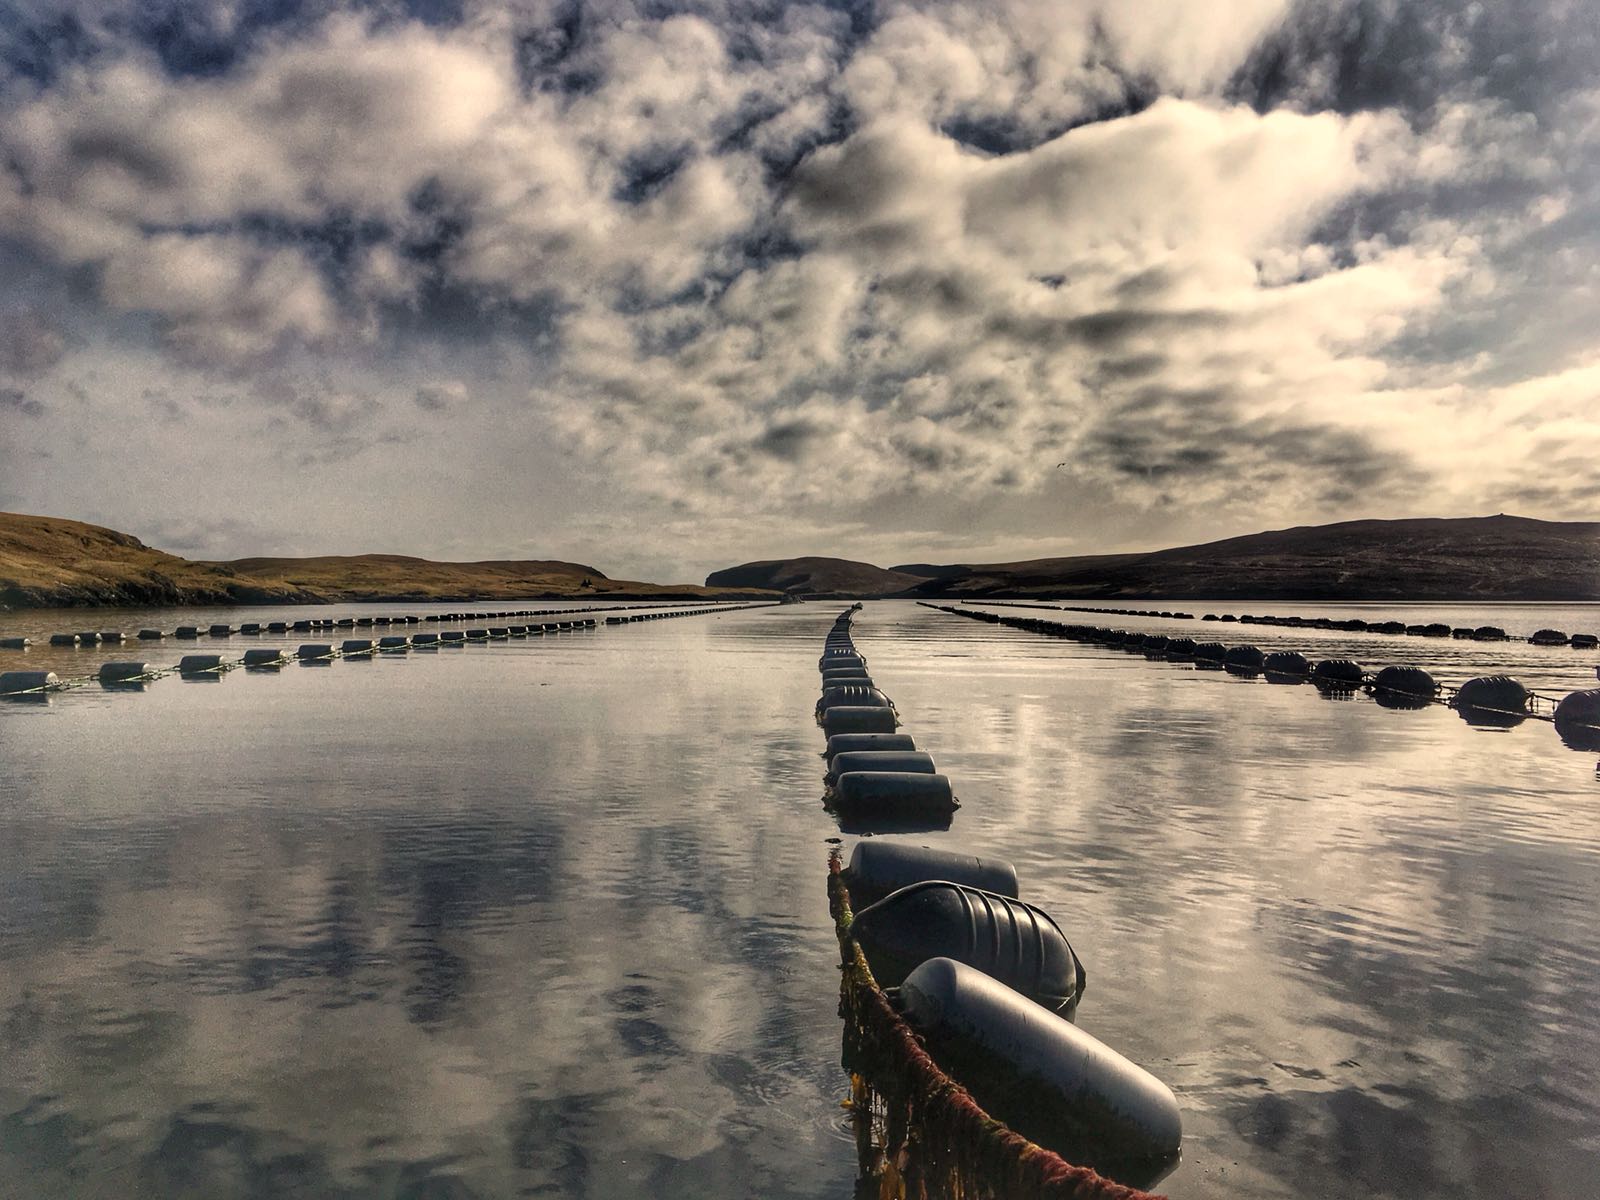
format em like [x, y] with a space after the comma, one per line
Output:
[1180, 649]
[842, 661]
[277, 627]
[1214, 653]
[1578, 719]
[1286, 666]
[63, 639]
[250, 627]
[394, 642]
[1406, 681]
[151, 635]
[199, 664]
[842, 743]
[111, 637]
[1489, 633]
[263, 656]
[881, 760]
[453, 637]
[122, 672]
[1337, 674]
[477, 635]
[861, 697]
[892, 793]
[1549, 637]
[851, 680]
[1493, 693]
[1244, 659]
[88, 638]
[15, 643]
[355, 646]
[314, 651]
[859, 719]
[425, 639]
[1003, 937]
[14, 683]
[187, 632]
[1585, 641]
[879, 867]
[1032, 1066]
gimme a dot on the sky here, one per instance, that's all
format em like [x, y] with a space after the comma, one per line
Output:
[664, 287]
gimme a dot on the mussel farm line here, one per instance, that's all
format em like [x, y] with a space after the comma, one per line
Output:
[1488, 700]
[947, 974]
[133, 675]
[1437, 629]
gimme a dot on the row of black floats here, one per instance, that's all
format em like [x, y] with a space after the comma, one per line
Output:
[877, 778]
[1485, 701]
[987, 981]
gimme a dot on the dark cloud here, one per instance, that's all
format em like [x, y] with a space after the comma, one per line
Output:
[787, 440]
[17, 401]
[30, 344]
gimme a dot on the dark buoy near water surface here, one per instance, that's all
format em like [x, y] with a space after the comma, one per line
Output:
[1006, 939]
[879, 867]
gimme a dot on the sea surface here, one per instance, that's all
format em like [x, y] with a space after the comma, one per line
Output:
[548, 917]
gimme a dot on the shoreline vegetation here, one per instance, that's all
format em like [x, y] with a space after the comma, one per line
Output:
[1440, 559]
[51, 562]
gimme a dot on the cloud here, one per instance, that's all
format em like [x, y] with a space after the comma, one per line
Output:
[438, 397]
[1288, 261]
[17, 401]
[30, 343]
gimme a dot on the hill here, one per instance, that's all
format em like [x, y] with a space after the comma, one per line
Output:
[821, 577]
[53, 562]
[1433, 558]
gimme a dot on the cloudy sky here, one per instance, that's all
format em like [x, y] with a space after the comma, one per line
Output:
[667, 286]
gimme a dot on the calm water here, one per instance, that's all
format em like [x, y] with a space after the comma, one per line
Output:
[548, 917]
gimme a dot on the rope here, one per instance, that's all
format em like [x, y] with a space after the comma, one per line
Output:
[918, 1132]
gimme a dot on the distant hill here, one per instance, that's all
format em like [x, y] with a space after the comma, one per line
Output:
[1431, 558]
[815, 577]
[53, 562]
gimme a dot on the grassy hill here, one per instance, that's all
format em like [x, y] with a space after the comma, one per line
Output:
[1434, 558]
[815, 577]
[50, 562]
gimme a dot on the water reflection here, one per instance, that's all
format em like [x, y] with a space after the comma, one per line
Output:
[547, 917]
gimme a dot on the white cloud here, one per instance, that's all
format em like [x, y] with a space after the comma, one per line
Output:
[1018, 234]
